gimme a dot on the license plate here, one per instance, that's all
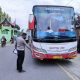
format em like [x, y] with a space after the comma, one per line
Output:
[57, 57]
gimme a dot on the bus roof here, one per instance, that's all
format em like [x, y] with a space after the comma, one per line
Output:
[51, 6]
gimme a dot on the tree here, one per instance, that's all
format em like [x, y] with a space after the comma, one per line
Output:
[0, 13]
[4, 15]
[9, 19]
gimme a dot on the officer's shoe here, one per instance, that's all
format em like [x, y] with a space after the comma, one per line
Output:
[22, 71]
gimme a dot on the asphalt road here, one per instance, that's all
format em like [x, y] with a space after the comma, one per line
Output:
[35, 69]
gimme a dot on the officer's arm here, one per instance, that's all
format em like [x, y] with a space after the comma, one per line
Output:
[26, 45]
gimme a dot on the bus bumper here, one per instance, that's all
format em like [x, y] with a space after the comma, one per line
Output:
[42, 56]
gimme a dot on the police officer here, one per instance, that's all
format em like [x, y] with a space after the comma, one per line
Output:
[20, 46]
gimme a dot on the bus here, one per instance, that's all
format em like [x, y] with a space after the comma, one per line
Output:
[53, 34]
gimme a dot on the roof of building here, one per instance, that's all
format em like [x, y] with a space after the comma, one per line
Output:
[7, 23]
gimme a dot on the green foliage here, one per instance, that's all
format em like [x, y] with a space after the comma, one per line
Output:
[4, 15]
[0, 13]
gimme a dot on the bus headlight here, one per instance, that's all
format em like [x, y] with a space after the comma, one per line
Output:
[72, 49]
[40, 50]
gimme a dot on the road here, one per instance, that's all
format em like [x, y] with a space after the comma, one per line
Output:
[35, 69]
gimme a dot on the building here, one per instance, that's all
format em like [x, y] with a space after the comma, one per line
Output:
[8, 29]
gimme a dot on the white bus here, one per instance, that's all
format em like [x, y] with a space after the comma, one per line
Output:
[58, 43]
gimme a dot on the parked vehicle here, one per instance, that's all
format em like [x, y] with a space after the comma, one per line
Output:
[3, 41]
[12, 40]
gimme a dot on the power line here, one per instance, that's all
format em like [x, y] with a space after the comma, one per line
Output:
[69, 2]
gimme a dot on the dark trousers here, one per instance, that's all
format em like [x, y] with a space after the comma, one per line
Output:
[20, 59]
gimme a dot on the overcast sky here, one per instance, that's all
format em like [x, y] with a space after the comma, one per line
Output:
[20, 9]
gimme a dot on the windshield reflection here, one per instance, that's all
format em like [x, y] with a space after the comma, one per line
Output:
[54, 23]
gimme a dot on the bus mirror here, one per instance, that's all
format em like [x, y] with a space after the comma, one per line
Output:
[31, 22]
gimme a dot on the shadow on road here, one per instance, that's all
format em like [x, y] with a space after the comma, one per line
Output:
[51, 62]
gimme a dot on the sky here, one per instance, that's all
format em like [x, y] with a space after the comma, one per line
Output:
[19, 10]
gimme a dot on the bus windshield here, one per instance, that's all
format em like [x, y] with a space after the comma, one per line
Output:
[54, 22]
